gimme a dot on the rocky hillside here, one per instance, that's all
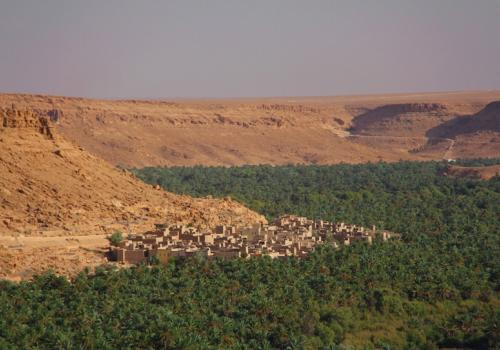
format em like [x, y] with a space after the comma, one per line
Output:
[407, 119]
[486, 121]
[50, 187]
[322, 130]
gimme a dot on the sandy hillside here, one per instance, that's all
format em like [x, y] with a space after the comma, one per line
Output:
[49, 186]
[322, 130]
[54, 195]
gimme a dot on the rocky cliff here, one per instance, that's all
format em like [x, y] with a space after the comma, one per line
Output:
[308, 130]
[27, 119]
[48, 187]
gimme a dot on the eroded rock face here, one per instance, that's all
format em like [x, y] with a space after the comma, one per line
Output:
[51, 187]
[413, 108]
[288, 130]
[26, 119]
[55, 115]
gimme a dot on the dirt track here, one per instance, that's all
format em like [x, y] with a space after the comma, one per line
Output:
[90, 241]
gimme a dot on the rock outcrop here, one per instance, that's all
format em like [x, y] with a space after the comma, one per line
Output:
[26, 119]
[51, 187]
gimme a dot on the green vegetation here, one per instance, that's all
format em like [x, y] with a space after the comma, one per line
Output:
[115, 238]
[384, 296]
[438, 287]
[407, 197]
[477, 162]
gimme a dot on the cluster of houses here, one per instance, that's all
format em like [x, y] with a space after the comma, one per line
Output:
[288, 236]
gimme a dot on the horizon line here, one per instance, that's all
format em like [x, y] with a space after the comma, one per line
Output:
[235, 98]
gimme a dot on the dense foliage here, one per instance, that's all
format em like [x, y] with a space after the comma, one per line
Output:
[408, 197]
[387, 295]
[477, 161]
[439, 286]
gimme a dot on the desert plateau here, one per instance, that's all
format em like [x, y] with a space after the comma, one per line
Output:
[294, 130]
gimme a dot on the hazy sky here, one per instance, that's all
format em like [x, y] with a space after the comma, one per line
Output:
[185, 48]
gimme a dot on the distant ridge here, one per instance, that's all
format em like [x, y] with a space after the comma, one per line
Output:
[298, 130]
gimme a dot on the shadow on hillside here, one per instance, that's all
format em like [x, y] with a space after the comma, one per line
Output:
[391, 111]
[446, 130]
[487, 119]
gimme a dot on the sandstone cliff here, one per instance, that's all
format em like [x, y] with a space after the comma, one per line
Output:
[308, 130]
[48, 187]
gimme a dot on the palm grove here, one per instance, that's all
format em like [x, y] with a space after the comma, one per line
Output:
[438, 286]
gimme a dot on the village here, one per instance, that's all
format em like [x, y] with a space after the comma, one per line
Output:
[287, 236]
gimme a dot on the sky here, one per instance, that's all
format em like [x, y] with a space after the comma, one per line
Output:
[238, 48]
